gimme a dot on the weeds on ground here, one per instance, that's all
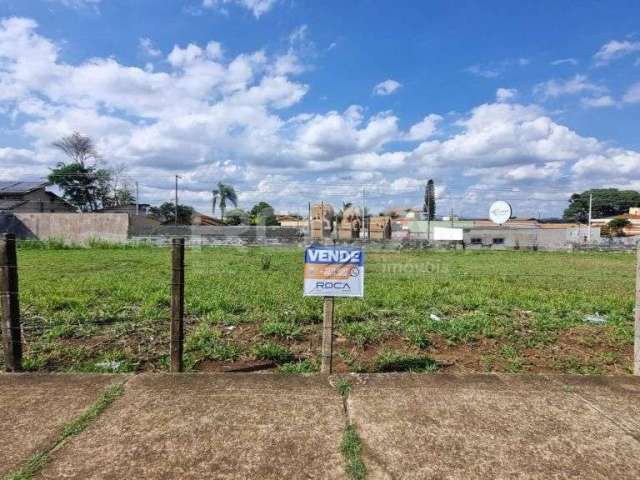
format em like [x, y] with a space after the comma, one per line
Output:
[207, 343]
[392, 361]
[308, 365]
[351, 448]
[282, 330]
[73, 428]
[344, 386]
[272, 351]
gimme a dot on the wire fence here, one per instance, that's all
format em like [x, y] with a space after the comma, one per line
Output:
[108, 309]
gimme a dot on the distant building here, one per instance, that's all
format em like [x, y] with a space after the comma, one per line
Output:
[516, 233]
[633, 216]
[31, 197]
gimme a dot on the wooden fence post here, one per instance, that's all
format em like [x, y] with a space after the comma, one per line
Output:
[11, 335]
[327, 336]
[636, 335]
[177, 303]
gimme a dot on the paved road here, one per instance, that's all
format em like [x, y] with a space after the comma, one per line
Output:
[248, 426]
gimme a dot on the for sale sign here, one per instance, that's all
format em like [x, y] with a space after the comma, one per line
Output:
[333, 271]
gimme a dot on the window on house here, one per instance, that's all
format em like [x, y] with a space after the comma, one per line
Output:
[476, 241]
[498, 241]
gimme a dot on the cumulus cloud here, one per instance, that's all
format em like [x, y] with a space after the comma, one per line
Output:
[209, 116]
[386, 88]
[506, 94]
[497, 135]
[424, 129]
[572, 86]
[615, 50]
[257, 7]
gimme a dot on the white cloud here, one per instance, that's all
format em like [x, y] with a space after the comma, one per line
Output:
[78, 4]
[615, 50]
[386, 88]
[506, 94]
[495, 69]
[565, 61]
[498, 135]
[424, 129]
[633, 94]
[485, 72]
[572, 86]
[598, 102]
[146, 46]
[257, 7]
[609, 163]
[214, 118]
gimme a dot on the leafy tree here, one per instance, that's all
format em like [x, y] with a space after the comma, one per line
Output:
[83, 184]
[222, 195]
[167, 213]
[263, 214]
[615, 228]
[237, 216]
[607, 202]
[429, 207]
[85, 187]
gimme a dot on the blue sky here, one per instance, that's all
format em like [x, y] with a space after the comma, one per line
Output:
[297, 101]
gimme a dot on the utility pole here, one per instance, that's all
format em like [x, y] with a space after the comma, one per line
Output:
[176, 219]
[590, 209]
[636, 335]
[451, 216]
[137, 199]
[364, 210]
[428, 218]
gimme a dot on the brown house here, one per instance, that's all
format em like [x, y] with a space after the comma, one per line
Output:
[31, 197]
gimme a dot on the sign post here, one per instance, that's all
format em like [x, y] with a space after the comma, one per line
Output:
[329, 272]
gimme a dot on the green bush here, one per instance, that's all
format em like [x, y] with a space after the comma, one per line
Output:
[272, 351]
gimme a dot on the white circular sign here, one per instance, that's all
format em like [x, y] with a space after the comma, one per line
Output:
[500, 212]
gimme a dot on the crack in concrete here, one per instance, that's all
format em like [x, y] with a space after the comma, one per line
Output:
[593, 406]
[368, 456]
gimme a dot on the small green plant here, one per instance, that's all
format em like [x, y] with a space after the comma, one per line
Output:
[30, 468]
[308, 365]
[272, 351]
[208, 343]
[344, 387]
[351, 448]
[391, 361]
[279, 329]
[265, 261]
[362, 333]
[418, 335]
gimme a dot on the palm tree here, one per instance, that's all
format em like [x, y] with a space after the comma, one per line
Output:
[340, 215]
[223, 194]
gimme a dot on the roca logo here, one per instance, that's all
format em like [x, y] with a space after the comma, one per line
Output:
[333, 285]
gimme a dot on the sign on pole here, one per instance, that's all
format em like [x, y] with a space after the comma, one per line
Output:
[333, 271]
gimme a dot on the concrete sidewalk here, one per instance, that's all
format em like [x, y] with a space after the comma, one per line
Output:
[248, 426]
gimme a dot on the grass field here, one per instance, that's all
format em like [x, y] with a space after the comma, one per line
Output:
[106, 309]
